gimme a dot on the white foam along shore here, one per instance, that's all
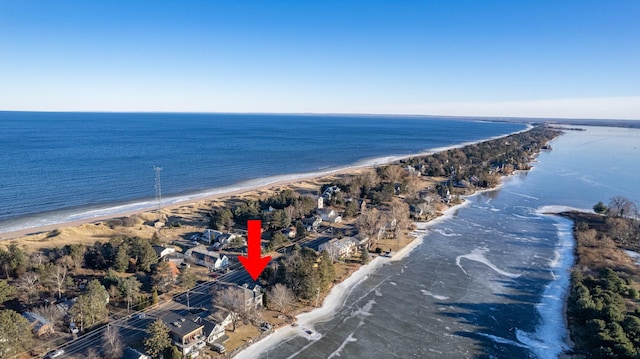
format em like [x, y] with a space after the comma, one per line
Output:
[50, 220]
[551, 336]
[339, 293]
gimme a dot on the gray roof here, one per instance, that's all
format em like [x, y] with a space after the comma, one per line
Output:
[184, 326]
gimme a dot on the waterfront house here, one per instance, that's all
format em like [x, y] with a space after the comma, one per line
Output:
[185, 334]
[252, 295]
[213, 331]
[340, 248]
[201, 256]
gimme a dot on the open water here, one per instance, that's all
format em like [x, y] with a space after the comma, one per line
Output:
[58, 167]
[490, 280]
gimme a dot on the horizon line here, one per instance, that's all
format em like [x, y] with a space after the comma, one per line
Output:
[495, 118]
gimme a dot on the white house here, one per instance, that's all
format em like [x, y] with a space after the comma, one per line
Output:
[329, 215]
[212, 331]
[340, 248]
[225, 238]
[162, 251]
[252, 296]
[201, 256]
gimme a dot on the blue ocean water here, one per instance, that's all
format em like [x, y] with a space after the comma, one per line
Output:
[56, 167]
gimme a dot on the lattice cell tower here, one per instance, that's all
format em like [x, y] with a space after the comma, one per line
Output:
[158, 187]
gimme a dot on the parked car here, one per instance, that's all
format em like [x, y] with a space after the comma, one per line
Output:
[218, 348]
[54, 354]
[73, 328]
[264, 326]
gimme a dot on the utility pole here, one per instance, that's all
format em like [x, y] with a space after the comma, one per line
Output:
[158, 187]
[317, 296]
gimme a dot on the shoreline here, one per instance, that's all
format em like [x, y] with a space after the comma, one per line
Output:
[219, 193]
[339, 292]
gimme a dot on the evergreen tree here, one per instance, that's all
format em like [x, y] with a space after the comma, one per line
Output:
[365, 255]
[15, 337]
[158, 339]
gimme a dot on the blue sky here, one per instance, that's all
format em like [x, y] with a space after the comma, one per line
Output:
[477, 58]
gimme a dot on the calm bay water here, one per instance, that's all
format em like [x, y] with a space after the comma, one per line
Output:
[57, 167]
[489, 281]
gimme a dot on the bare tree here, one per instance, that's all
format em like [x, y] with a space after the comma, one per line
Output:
[282, 298]
[620, 206]
[371, 224]
[412, 186]
[289, 213]
[92, 353]
[232, 300]
[399, 215]
[38, 259]
[112, 342]
[393, 173]
[28, 285]
[59, 276]
[333, 251]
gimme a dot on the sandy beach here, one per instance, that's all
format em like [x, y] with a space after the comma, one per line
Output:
[196, 206]
[193, 211]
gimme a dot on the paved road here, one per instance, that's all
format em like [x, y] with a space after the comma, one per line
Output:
[132, 328]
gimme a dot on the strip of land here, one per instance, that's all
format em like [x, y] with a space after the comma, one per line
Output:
[603, 307]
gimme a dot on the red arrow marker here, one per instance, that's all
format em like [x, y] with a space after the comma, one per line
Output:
[253, 263]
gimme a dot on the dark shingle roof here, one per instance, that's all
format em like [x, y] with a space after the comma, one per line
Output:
[184, 326]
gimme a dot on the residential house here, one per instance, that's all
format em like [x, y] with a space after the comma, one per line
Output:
[201, 256]
[329, 215]
[252, 295]
[213, 332]
[290, 232]
[312, 223]
[221, 316]
[162, 251]
[65, 305]
[360, 240]
[225, 239]
[330, 192]
[340, 248]
[176, 258]
[39, 325]
[187, 335]
[210, 235]
[131, 353]
[416, 211]
[412, 171]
